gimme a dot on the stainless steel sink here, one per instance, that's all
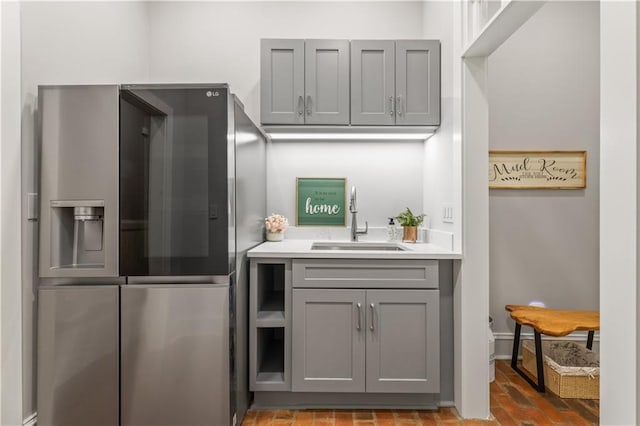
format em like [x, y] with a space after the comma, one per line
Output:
[357, 246]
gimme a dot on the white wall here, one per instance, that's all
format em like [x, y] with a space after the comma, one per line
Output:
[442, 160]
[618, 213]
[471, 280]
[388, 176]
[2, 61]
[219, 41]
[83, 43]
[196, 42]
[544, 95]
[10, 297]
[637, 216]
[66, 43]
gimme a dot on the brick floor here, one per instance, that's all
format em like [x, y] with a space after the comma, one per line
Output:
[513, 402]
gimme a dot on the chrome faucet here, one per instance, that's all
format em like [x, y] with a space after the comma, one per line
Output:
[354, 217]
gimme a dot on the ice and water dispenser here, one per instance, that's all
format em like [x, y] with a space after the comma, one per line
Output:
[79, 181]
[77, 234]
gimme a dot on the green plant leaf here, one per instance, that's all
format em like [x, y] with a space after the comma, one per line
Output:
[407, 218]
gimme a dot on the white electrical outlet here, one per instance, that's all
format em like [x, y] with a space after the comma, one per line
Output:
[447, 213]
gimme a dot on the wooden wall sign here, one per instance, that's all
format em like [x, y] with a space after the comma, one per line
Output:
[321, 201]
[537, 169]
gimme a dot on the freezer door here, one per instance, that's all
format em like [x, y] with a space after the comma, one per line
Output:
[78, 356]
[175, 355]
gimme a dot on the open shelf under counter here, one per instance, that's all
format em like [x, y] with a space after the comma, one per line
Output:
[271, 377]
[271, 355]
[266, 319]
[270, 323]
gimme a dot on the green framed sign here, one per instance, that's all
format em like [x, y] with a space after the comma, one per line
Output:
[320, 201]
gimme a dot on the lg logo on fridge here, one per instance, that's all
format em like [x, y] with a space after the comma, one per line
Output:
[214, 93]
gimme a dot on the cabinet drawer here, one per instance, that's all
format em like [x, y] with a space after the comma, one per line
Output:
[358, 273]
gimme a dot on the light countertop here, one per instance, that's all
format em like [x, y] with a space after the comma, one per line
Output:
[299, 248]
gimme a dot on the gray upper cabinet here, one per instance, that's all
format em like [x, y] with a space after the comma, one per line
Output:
[403, 350]
[282, 81]
[418, 82]
[304, 82]
[327, 81]
[373, 82]
[362, 82]
[395, 82]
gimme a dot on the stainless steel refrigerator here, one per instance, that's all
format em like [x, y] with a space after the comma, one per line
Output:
[151, 195]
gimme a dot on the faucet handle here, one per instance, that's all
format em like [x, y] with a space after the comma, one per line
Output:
[366, 228]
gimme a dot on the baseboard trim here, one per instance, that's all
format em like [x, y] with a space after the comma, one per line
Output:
[32, 420]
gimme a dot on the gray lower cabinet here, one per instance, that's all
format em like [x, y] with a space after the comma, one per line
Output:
[403, 341]
[384, 341]
[328, 340]
[304, 81]
[395, 82]
[362, 82]
[365, 273]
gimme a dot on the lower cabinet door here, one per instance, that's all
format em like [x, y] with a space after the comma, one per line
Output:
[175, 355]
[328, 340]
[403, 335]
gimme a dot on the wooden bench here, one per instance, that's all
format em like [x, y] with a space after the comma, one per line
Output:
[552, 323]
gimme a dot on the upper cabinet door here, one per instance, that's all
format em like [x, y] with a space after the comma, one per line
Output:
[418, 82]
[282, 81]
[327, 81]
[373, 82]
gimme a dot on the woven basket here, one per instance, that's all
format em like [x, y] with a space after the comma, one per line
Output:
[574, 376]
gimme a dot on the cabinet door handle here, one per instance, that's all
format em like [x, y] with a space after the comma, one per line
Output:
[391, 106]
[300, 105]
[399, 105]
[359, 326]
[372, 306]
[308, 105]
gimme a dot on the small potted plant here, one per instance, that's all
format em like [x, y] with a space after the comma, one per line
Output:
[410, 223]
[276, 224]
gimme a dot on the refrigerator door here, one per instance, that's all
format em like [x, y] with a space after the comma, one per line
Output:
[175, 198]
[175, 355]
[78, 356]
[78, 224]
